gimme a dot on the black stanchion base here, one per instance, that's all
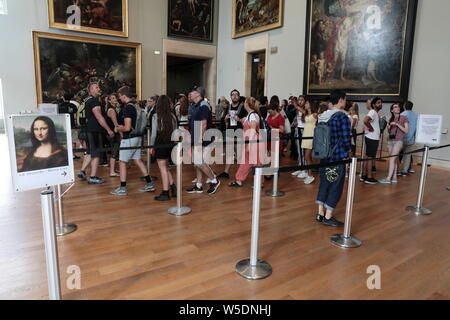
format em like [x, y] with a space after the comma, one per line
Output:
[261, 271]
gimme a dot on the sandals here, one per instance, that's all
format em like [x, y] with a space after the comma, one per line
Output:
[235, 185]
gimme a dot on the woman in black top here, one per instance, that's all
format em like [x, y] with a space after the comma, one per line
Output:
[164, 123]
[112, 111]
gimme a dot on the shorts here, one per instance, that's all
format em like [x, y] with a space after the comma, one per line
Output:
[201, 155]
[94, 144]
[134, 154]
[371, 147]
[395, 144]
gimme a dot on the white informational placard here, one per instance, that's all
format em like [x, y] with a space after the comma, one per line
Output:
[429, 129]
[40, 150]
[49, 109]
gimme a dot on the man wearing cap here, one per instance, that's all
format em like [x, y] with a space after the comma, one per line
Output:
[202, 118]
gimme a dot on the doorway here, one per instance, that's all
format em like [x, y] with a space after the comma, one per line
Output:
[258, 79]
[183, 73]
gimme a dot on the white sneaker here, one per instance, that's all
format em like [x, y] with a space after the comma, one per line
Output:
[296, 173]
[302, 175]
[309, 180]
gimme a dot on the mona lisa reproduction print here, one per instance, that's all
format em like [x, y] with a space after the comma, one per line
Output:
[363, 47]
[40, 151]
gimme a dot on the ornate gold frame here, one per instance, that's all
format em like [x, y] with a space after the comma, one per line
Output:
[37, 65]
[272, 26]
[63, 26]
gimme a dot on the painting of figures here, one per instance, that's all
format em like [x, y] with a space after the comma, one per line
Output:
[361, 46]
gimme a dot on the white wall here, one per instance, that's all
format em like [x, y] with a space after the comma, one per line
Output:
[430, 77]
[147, 25]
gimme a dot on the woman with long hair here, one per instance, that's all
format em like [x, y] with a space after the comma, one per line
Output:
[46, 152]
[276, 121]
[164, 123]
[112, 111]
[254, 153]
[309, 118]
[398, 127]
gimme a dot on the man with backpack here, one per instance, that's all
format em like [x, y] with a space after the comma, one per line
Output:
[134, 123]
[332, 143]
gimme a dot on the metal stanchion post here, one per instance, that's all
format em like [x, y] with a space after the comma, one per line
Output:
[346, 240]
[179, 210]
[254, 269]
[419, 209]
[381, 149]
[363, 164]
[275, 193]
[62, 228]
[51, 247]
[149, 159]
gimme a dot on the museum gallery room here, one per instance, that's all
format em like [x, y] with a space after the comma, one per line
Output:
[224, 150]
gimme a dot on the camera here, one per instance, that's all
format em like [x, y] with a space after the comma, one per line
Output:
[392, 136]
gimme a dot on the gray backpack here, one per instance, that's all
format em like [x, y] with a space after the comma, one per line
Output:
[141, 122]
[322, 140]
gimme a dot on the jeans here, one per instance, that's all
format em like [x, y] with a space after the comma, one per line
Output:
[332, 181]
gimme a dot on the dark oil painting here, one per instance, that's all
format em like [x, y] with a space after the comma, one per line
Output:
[108, 17]
[253, 16]
[191, 19]
[361, 46]
[68, 66]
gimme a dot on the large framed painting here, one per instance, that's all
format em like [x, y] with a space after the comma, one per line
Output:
[191, 19]
[108, 17]
[363, 47]
[253, 16]
[67, 64]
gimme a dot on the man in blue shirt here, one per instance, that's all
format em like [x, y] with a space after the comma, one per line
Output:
[332, 178]
[201, 117]
[410, 138]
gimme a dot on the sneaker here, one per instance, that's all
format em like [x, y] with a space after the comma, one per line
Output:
[164, 196]
[149, 187]
[332, 222]
[412, 171]
[309, 180]
[121, 191]
[96, 180]
[296, 173]
[320, 218]
[302, 175]
[195, 189]
[213, 187]
[385, 181]
[394, 181]
[402, 174]
[363, 178]
[235, 185]
[371, 181]
[224, 175]
[82, 175]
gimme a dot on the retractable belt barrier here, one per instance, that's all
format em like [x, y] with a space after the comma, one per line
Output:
[257, 269]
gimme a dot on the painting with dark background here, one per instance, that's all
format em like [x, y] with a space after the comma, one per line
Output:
[253, 16]
[191, 19]
[361, 46]
[68, 67]
[99, 16]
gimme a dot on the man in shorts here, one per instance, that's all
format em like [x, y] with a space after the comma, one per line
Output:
[128, 116]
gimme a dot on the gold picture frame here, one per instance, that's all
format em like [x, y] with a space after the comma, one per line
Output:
[273, 19]
[71, 62]
[56, 21]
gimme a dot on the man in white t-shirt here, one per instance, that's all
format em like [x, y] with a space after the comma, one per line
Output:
[372, 138]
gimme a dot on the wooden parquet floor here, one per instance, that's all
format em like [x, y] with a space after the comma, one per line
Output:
[130, 248]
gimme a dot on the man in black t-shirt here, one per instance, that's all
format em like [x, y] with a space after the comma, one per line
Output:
[96, 127]
[233, 119]
[128, 116]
